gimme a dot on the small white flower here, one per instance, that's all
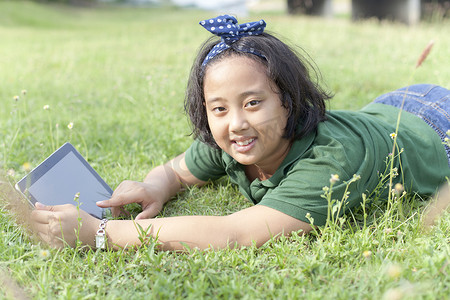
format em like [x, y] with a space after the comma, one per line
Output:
[393, 135]
[44, 254]
[11, 172]
[395, 172]
[393, 294]
[394, 271]
[70, 125]
[398, 188]
[367, 253]
[46, 107]
[334, 178]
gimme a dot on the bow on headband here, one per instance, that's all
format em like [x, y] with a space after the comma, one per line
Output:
[227, 28]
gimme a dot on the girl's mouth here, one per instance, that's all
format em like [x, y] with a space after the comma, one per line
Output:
[244, 145]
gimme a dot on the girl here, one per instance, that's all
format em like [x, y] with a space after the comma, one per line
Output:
[259, 118]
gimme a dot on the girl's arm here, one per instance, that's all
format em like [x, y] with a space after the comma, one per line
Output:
[255, 224]
[64, 224]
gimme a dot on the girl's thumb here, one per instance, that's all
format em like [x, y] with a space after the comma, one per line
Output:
[41, 206]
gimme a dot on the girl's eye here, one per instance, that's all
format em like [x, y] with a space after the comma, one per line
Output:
[252, 103]
[218, 109]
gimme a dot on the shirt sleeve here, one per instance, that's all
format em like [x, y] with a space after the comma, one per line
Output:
[205, 162]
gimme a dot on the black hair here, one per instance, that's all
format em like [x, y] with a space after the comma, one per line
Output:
[300, 95]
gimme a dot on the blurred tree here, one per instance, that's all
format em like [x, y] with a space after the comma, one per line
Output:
[310, 7]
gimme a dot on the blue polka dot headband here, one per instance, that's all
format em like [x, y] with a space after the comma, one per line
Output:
[227, 28]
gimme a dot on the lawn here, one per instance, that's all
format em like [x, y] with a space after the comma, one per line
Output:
[116, 77]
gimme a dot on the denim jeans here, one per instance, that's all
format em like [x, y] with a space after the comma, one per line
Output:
[429, 102]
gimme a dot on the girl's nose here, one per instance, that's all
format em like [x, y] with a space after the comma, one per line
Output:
[238, 122]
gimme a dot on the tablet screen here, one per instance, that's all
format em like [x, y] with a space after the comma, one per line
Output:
[61, 176]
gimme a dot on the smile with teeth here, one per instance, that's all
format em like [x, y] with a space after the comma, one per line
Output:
[244, 143]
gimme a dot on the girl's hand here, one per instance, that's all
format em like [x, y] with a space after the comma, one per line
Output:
[59, 226]
[159, 186]
[148, 196]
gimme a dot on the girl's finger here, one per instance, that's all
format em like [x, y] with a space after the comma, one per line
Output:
[148, 212]
[119, 211]
[41, 228]
[42, 216]
[116, 201]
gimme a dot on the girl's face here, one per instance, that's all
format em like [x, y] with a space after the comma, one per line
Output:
[244, 112]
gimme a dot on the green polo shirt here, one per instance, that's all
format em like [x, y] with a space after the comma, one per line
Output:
[347, 143]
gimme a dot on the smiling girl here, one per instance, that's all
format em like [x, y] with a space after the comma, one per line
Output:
[259, 118]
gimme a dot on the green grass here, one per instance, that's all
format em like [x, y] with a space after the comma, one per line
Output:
[119, 75]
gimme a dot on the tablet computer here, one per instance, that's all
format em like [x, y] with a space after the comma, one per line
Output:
[63, 175]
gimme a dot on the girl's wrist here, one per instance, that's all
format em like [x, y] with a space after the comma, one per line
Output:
[91, 227]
